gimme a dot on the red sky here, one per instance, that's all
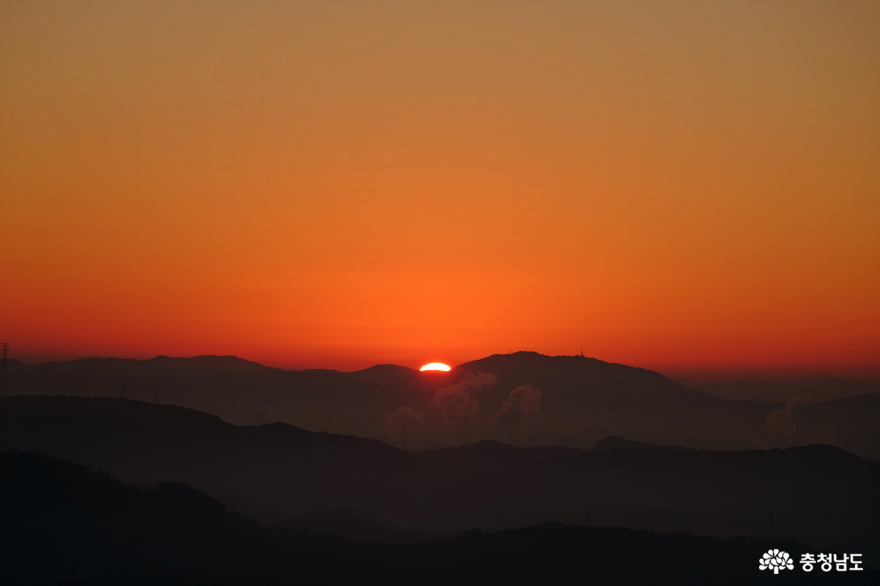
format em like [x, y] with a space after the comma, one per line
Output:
[691, 188]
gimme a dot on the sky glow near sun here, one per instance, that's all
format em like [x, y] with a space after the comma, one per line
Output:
[435, 366]
[460, 178]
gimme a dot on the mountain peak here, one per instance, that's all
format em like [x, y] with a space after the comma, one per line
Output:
[207, 362]
[578, 375]
[386, 374]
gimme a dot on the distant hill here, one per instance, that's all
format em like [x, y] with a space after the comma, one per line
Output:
[277, 472]
[614, 442]
[811, 389]
[723, 494]
[388, 374]
[237, 390]
[580, 377]
[490, 454]
[523, 398]
[584, 400]
[65, 524]
[203, 363]
[358, 526]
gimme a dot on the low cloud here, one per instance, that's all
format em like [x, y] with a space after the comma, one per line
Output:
[513, 417]
[457, 405]
[780, 424]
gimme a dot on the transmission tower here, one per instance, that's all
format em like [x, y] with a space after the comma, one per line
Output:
[4, 369]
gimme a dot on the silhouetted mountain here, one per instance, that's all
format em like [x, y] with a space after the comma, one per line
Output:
[522, 398]
[812, 389]
[489, 454]
[722, 494]
[584, 400]
[579, 377]
[358, 526]
[237, 390]
[850, 423]
[614, 442]
[387, 374]
[277, 472]
[204, 363]
[65, 524]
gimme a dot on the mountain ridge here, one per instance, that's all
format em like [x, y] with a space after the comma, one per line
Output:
[522, 398]
[275, 472]
[65, 523]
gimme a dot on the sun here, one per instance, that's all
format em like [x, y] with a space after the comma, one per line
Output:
[435, 366]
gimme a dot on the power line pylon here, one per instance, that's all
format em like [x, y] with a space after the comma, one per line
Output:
[4, 369]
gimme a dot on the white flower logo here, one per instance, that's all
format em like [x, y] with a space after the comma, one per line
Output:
[775, 560]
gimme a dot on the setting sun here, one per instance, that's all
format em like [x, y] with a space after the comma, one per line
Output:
[435, 366]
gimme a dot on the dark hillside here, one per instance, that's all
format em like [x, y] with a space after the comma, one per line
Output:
[65, 524]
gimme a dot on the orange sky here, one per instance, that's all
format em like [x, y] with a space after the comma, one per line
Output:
[685, 186]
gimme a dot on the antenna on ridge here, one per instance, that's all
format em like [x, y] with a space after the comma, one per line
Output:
[4, 369]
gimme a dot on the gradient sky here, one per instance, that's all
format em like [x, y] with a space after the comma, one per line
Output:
[692, 187]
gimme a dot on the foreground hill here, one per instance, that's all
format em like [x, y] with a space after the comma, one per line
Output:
[278, 473]
[68, 524]
[522, 398]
